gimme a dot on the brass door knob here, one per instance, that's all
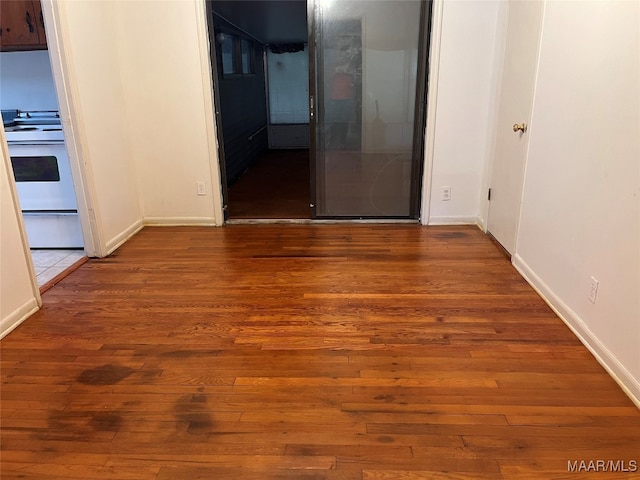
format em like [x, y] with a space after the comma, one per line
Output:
[520, 127]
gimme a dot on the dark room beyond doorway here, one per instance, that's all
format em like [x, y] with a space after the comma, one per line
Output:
[275, 187]
[263, 89]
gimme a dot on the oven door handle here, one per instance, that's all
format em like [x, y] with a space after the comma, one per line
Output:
[34, 143]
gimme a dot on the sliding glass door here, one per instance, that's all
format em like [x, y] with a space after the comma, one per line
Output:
[367, 96]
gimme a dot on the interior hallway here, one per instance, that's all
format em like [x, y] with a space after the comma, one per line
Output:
[299, 352]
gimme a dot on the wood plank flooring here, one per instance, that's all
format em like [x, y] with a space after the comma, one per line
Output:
[369, 352]
[276, 186]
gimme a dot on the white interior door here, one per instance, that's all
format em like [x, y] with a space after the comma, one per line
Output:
[516, 99]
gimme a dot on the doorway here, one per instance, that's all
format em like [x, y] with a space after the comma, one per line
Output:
[40, 162]
[260, 66]
[348, 124]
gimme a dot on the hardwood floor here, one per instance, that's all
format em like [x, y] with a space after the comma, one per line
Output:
[276, 186]
[371, 352]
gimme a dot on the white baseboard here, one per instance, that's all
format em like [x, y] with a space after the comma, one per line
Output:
[18, 316]
[179, 221]
[129, 232]
[135, 227]
[453, 221]
[624, 378]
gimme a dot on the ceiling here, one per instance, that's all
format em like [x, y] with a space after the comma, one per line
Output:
[269, 21]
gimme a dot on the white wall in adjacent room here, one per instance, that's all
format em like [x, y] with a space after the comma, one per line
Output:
[581, 203]
[26, 82]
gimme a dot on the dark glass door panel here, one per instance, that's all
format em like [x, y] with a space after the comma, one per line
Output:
[366, 87]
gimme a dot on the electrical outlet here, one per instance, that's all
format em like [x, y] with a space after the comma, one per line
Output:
[446, 194]
[202, 188]
[593, 290]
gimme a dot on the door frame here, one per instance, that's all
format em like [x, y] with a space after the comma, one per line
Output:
[13, 192]
[433, 76]
[487, 173]
[70, 115]
[215, 115]
[421, 104]
[313, 99]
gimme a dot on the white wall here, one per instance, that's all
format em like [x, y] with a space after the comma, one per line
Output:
[18, 297]
[471, 32]
[581, 202]
[89, 39]
[26, 82]
[166, 114]
[152, 78]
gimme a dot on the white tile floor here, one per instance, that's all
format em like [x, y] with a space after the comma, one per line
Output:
[50, 263]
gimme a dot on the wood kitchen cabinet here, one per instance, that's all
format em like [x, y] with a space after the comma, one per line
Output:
[21, 26]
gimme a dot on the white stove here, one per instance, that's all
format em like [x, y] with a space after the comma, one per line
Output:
[43, 178]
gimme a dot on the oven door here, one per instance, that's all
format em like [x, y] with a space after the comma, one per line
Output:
[46, 193]
[43, 177]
